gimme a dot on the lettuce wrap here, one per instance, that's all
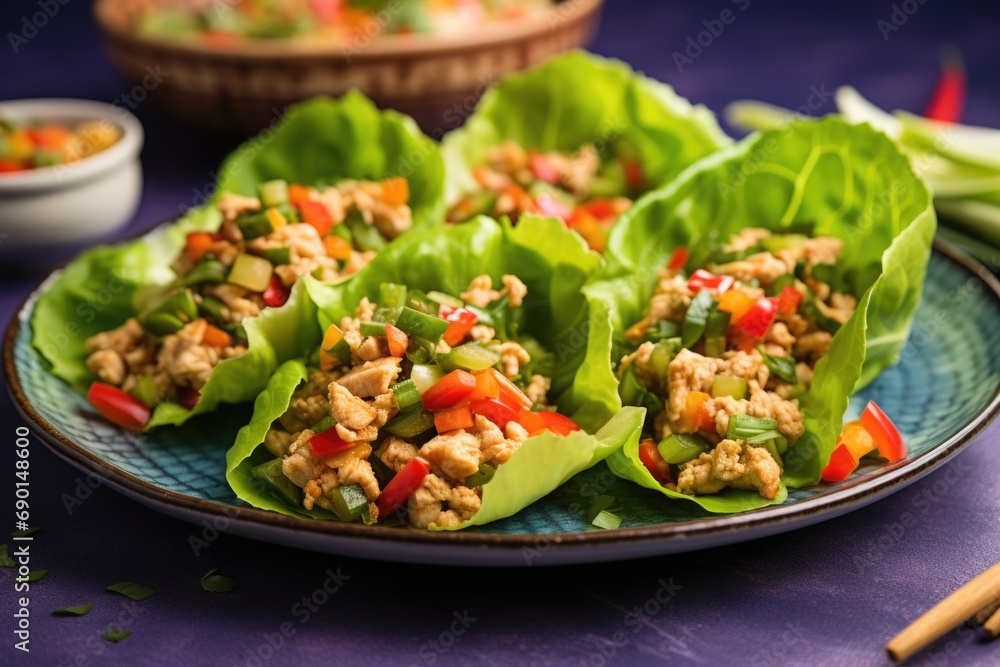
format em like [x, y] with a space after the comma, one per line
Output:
[556, 316]
[854, 184]
[321, 140]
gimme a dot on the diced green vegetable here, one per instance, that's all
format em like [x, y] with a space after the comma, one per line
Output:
[411, 424]
[206, 271]
[783, 242]
[611, 180]
[254, 225]
[696, 318]
[324, 424]
[421, 325]
[171, 314]
[715, 346]
[607, 520]
[633, 392]
[212, 308]
[341, 351]
[783, 281]
[273, 193]
[406, 394]
[145, 390]
[470, 357]
[812, 312]
[717, 324]
[600, 504]
[742, 427]
[481, 203]
[425, 376]
[343, 232]
[678, 448]
[445, 299]
[727, 385]
[348, 501]
[366, 237]
[376, 329]
[763, 437]
[772, 449]
[251, 272]
[278, 256]
[663, 329]
[481, 476]
[663, 353]
[392, 296]
[46, 158]
[780, 367]
[269, 473]
[420, 351]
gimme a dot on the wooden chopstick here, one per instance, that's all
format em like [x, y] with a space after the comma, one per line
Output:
[946, 615]
[992, 624]
[984, 614]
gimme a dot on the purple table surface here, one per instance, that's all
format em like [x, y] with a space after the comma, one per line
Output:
[832, 594]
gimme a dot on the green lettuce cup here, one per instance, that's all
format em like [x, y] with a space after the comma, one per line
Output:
[318, 141]
[554, 265]
[573, 102]
[853, 184]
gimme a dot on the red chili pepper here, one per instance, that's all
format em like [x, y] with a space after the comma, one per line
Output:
[188, 397]
[449, 391]
[948, 99]
[497, 412]
[276, 293]
[702, 279]
[678, 259]
[329, 442]
[543, 168]
[315, 213]
[650, 457]
[402, 486]
[887, 437]
[788, 300]
[118, 407]
[841, 464]
[461, 322]
[759, 318]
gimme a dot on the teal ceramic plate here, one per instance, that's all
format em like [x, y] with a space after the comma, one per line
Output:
[943, 392]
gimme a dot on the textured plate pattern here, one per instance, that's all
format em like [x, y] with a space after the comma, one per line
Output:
[948, 377]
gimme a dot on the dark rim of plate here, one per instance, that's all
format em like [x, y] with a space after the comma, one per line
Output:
[848, 494]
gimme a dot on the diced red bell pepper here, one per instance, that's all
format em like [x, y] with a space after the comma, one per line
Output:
[510, 393]
[678, 259]
[118, 407]
[550, 206]
[486, 386]
[316, 213]
[557, 423]
[759, 318]
[297, 194]
[461, 322]
[449, 391]
[543, 168]
[788, 300]
[841, 464]
[398, 340]
[531, 421]
[329, 442]
[497, 412]
[12, 166]
[702, 279]
[455, 418]
[654, 462]
[276, 293]
[402, 486]
[601, 209]
[188, 397]
[948, 99]
[887, 437]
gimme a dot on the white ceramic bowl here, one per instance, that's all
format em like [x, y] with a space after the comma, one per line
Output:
[68, 205]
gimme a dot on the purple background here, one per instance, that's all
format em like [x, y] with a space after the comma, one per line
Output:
[831, 594]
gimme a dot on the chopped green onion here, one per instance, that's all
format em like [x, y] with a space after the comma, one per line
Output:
[341, 351]
[213, 582]
[783, 242]
[367, 237]
[663, 329]
[772, 449]
[406, 394]
[278, 255]
[270, 475]
[392, 295]
[131, 590]
[254, 225]
[420, 351]
[425, 376]
[633, 392]
[607, 520]
[207, 271]
[481, 476]
[696, 318]
[171, 315]
[715, 347]
[114, 635]
[348, 501]
[411, 424]
[421, 325]
[445, 299]
[663, 353]
[781, 367]
[470, 357]
[678, 448]
[600, 504]
[727, 385]
[145, 390]
[376, 329]
[742, 427]
[78, 610]
[212, 308]
[762, 437]
[273, 193]
[324, 424]
[419, 302]
[718, 322]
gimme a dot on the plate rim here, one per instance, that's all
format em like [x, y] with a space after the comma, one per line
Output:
[695, 534]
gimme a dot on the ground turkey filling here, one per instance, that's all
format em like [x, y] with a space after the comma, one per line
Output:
[180, 360]
[359, 396]
[793, 334]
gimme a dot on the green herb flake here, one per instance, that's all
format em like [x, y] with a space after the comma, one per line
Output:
[131, 590]
[26, 532]
[5, 559]
[599, 505]
[607, 520]
[217, 583]
[78, 610]
[37, 575]
[115, 636]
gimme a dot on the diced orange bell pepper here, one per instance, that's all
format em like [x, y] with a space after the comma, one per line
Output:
[316, 213]
[737, 303]
[49, 136]
[696, 413]
[216, 337]
[297, 194]
[197, 244]
[857, 440]
[531, 421]
[396, 191]
[456, 418]
[510, 393]
[337, 247]
[487, 386]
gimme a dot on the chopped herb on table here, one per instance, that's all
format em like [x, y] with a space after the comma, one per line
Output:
[78, 610]
[132, 590]
[217, 583]
[114, 636]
